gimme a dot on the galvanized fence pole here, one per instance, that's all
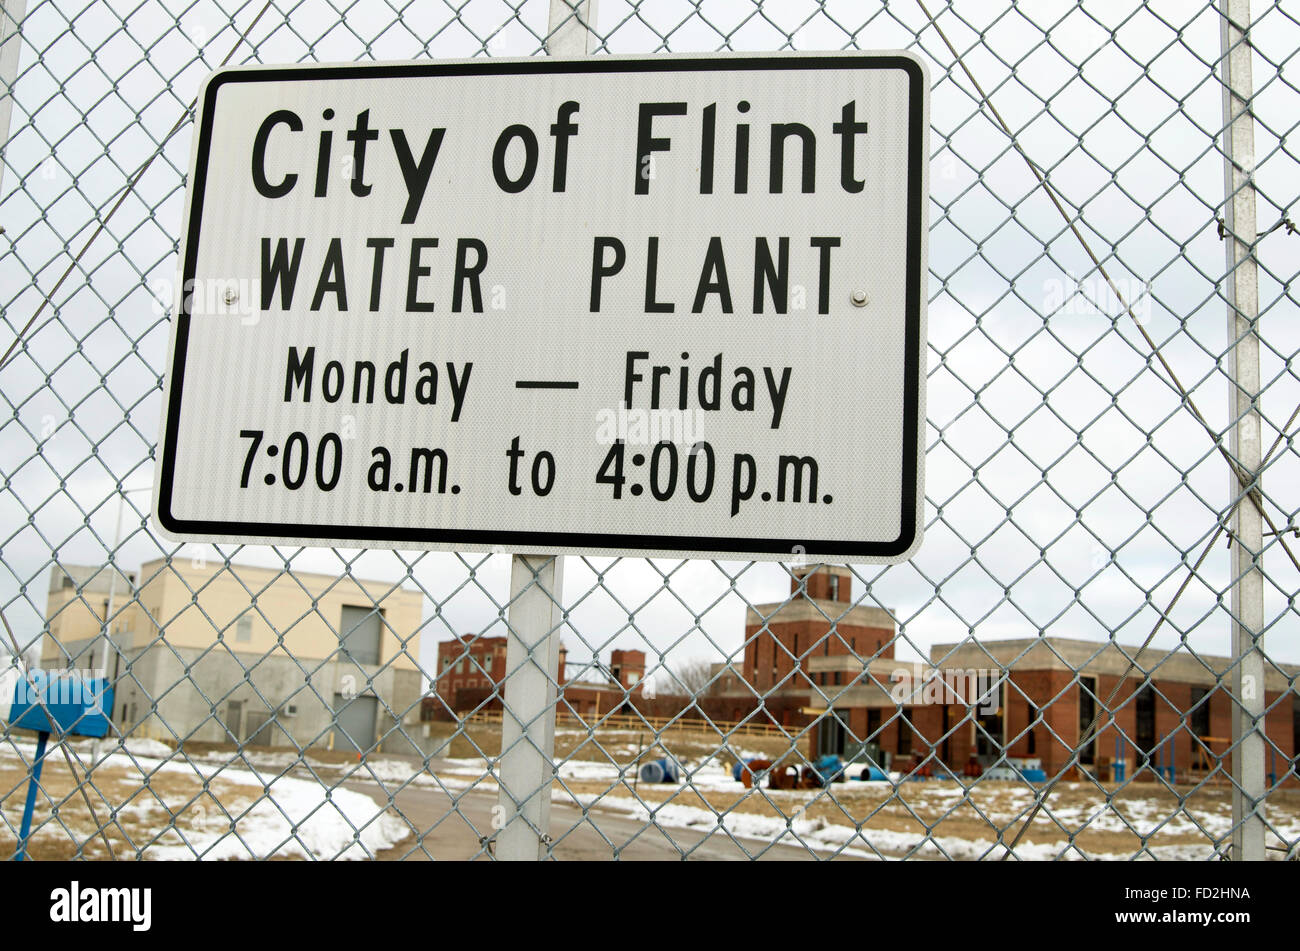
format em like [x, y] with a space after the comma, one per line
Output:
[533, 646]
[527, 764]
[11, 17]
[1242, 290]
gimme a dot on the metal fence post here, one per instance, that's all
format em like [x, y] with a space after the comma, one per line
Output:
[1242, 292]
[568, 27]
[528, 714]
[12, 13]
[533, 647]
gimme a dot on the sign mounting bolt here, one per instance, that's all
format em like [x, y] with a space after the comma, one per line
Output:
[859, 298]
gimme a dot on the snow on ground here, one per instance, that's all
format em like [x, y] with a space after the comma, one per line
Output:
[294, 818]
[303, 817]
[816, 833]
[140, 746]
[1004, 803]
[822, 836]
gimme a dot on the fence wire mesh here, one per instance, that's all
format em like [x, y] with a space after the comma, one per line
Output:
[1058, 673]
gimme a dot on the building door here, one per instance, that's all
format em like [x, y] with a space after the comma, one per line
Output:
[260, 729]
[830, 736]
[354, 723]
[234, 718]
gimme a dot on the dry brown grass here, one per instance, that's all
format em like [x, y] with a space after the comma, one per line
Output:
[990, 810]
[133, 808]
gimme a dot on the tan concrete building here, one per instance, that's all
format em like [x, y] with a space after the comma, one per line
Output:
[215, 653]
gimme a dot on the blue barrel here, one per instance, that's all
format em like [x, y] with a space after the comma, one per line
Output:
[663, 770]
[829, 768]
[739, 768]
[873, 774]
[1034, 775]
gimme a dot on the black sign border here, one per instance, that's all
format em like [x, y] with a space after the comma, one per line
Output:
[912, 508]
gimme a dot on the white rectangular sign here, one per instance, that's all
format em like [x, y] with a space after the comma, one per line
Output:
[653, 306]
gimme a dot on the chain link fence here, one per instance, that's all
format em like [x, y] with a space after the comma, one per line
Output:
[1093, 655]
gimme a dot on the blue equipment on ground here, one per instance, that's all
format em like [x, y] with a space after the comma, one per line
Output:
[61, 702]
[830, 768]
[663, 770]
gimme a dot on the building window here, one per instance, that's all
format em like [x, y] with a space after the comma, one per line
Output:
[1031, 741]
[1198, 715]
[873, 723]
[1145, 709]
[1087, 713]
[244, 630]
[360, 629]
[1295, 727]
[835, 587]
[904, 735]
[988, 732]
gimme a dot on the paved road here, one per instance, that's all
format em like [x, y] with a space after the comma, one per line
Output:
[450, 832]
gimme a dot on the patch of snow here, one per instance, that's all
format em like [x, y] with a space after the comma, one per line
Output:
[299, 819]
[139, 746]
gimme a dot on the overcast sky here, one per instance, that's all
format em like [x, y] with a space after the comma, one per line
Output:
[1065, 484]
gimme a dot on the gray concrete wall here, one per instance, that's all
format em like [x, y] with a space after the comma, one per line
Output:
[184, 694]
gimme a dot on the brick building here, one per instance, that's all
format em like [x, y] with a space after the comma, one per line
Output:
[472, 663]
[782, 638]
[809, 656]
[607, 690]
[1181, 720]
[471, 668]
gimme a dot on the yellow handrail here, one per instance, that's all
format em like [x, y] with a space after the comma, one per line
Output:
[657, 724]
